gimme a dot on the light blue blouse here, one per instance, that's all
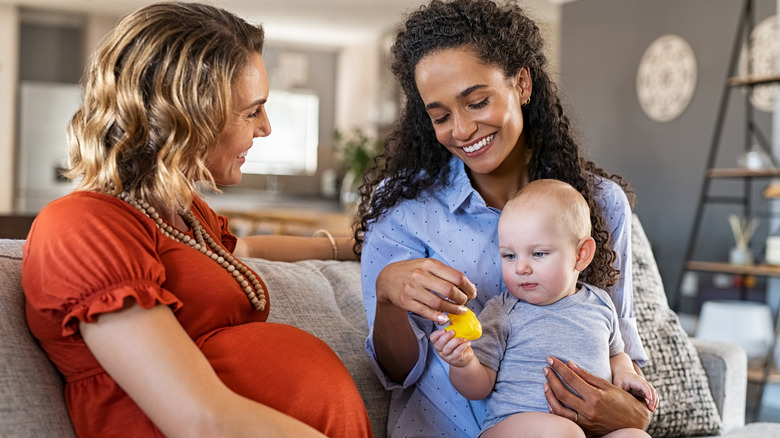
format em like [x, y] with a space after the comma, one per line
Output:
[454, 225]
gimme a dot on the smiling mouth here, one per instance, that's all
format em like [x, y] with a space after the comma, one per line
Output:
[479, 145]
[243, 154]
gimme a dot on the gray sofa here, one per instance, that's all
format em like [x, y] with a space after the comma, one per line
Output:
[323, 297]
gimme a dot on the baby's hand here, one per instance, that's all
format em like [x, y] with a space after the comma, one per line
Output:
[466, 326]
[455, 351]
[639, 387]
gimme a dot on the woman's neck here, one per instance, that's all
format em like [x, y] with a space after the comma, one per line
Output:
[172, 217]
[496, 190]
[498, 186]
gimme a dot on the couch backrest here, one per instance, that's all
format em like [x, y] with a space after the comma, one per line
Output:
[31, 390]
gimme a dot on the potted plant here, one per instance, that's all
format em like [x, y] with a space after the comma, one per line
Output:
[355, 152]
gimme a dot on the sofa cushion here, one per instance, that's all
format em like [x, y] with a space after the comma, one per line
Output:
[686, 406]
[324, 299]
[31, 390]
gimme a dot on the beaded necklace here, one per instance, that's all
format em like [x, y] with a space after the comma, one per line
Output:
[204, 243]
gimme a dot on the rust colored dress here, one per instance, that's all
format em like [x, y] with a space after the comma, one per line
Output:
[86, 253]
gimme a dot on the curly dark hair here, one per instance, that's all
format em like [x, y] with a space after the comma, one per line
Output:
[413, 161]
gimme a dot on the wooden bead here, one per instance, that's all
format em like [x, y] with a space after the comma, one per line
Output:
[204, 243]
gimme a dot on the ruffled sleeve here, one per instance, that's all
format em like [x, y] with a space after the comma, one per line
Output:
[87, 254]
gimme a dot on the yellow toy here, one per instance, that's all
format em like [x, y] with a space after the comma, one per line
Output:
[466, 326]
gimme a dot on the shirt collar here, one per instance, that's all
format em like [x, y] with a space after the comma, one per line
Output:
[461, 193]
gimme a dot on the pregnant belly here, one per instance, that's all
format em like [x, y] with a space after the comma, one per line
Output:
[285, 368]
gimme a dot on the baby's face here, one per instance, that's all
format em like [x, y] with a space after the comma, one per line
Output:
[537, 258]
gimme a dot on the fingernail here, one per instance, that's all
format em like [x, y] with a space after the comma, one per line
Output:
[573, 364]
[546, 387]
[549, 360]
[463, 309]
[549, 408]
[545, 371]
[442, 319]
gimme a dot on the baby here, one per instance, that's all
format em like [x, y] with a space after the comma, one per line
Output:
[545, 242]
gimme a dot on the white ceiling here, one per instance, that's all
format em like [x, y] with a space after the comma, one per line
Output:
[320, 22]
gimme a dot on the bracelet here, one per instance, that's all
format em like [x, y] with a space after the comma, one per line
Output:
[323, 232]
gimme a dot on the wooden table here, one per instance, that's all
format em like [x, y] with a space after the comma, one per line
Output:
[287, 221]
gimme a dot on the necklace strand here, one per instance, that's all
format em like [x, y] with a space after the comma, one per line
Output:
[204, 243]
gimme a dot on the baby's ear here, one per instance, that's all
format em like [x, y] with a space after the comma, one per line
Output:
[586, 249]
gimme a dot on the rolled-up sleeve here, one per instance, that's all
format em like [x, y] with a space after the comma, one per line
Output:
[419, 367]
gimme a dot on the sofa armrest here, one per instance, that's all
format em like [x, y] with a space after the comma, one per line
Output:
[726, 368]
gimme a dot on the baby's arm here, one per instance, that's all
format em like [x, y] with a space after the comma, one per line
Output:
[624, 376]
[469, 377]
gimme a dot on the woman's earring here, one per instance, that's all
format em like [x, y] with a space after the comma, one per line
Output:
[527, 101]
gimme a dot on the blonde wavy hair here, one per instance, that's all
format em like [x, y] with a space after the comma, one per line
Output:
[156, 97]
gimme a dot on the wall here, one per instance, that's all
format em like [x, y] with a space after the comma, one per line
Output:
[9, 55]
[602, 42]
[358, 67]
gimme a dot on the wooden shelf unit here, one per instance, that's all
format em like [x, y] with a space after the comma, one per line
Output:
[766, 372]
[753, 80]
[728, 268]
[756, 375]
[742, 173]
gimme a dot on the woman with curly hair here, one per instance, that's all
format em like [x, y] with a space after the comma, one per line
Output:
[481, 119]
[133, 284]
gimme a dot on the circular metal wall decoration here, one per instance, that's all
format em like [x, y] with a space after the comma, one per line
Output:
[762, 56]
[666, 78]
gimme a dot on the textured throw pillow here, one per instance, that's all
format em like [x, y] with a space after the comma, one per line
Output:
[686, 406]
